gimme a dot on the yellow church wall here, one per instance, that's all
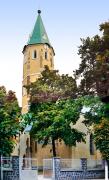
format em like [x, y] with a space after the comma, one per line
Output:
[62, 151]
[42, 153]
[82, 150]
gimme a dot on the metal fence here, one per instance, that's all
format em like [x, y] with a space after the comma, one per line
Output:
[6, 163]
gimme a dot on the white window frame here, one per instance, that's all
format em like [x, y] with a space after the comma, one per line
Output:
[34, 54]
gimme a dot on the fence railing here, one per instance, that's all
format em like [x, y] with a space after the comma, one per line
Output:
[6, 163]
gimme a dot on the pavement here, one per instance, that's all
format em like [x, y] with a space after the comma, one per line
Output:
[40, 177]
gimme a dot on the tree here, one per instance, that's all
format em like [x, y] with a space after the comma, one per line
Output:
[54, 109]
[94, 73]
[54, 121]
[101, 136]
[51, 86]
[97, 117]
[94, 66]
[9, 120]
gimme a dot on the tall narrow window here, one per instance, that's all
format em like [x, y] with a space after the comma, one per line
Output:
[91, 144]
[45, 55]
[34, 54]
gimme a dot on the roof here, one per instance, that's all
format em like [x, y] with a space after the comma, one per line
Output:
[39, 35]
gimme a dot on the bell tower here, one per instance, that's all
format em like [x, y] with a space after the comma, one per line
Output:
[38, 52]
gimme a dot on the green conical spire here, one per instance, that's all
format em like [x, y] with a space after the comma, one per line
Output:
[39, 35]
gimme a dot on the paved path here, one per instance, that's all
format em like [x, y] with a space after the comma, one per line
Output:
[40, 177]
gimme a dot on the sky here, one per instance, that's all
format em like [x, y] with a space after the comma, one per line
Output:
[66, 21]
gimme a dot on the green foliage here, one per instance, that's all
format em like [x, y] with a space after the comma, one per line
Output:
[25, 119]
[97, 117]
[53, 108]
[101, 136]
[9, 122]
[51, 86]
[55, 121]
[94, 66]
[94, 80]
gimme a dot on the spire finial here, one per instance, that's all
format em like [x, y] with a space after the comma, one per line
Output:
[39, 11]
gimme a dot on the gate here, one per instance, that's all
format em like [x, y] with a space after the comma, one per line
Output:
[6, 166]
[28, 169]
[48, 168]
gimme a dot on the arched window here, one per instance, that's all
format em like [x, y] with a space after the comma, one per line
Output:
[46, 55]
[34, 54]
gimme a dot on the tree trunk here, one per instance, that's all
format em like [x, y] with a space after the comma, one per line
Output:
[53, 148]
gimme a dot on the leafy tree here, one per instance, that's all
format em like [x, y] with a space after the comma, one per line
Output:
[101, 136]
[54, 109]
[54, 121]
[97, 117]
[51, 86]
[94, 66]
[93, 72]
[9, 122]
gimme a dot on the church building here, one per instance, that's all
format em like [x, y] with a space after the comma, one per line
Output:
[39, 52]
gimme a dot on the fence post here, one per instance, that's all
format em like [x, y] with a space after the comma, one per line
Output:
[1, 169]
[106, 170]
[84, 164]
[56, 168]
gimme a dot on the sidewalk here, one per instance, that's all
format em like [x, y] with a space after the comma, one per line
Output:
[40, 177]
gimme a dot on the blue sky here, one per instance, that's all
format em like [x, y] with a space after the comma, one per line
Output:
[65, 22]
